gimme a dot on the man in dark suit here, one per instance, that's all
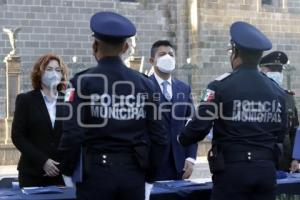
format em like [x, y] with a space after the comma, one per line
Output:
[177, 107]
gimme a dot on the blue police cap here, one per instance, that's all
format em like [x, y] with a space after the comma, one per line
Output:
[111, 27]
[274, 60]
[246, 36]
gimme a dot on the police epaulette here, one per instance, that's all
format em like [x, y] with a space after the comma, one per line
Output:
[223, 76]
[290, 92]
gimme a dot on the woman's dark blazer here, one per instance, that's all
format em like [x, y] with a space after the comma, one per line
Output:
[32, 133]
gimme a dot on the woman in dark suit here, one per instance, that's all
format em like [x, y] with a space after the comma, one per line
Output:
[36, 130]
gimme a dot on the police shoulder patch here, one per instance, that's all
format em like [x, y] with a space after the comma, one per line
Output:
[223, 76]
[69, 96]
[208, 95]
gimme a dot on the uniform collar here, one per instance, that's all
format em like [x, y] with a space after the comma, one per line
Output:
[246, 67]
[110, 60]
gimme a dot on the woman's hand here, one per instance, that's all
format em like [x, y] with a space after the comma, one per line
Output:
[50, 168]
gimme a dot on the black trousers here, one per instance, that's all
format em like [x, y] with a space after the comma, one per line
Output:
[111, 182]
[249, 180]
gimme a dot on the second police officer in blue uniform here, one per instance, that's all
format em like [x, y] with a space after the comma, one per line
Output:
[246, 110]
[272, 65]
[113, 117]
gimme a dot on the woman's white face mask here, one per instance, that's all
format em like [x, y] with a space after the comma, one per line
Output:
[51, 79]
[166, 64]
[276, 76]
[52, 75]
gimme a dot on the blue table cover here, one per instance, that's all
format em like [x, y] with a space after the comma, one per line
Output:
[161, 191]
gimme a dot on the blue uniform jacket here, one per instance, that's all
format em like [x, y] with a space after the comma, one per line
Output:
[245, 108]
[116, 108]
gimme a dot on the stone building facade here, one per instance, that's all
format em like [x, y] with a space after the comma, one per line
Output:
[198, 28]
[62, 27]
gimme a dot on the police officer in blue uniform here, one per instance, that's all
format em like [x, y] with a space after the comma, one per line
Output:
[113, 116]
[272, 65]
[246, 110]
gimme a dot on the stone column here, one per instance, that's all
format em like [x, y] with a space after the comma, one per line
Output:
[182, 37]
[13, 70]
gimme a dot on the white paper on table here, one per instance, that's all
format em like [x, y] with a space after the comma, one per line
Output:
[201, 180]
[148, 188]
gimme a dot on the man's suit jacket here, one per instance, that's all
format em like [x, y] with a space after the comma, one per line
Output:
[32, 132]
[181, 99]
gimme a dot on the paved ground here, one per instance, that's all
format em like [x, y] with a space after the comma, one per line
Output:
[201, 170]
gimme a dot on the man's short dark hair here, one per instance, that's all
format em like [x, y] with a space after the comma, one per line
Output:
[159, 43]
[250, 57]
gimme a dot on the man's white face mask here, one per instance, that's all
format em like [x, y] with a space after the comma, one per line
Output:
[166, 63]
[276, 76]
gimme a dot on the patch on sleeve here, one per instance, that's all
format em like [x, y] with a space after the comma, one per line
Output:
[223, 76]
[208, 95]
[69, 96]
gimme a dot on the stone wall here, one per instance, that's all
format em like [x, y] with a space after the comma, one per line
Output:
[62, 27]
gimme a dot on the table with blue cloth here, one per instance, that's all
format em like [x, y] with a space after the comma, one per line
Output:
[175, 190]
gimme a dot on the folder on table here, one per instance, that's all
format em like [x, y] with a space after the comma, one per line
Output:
[41, 190]
[182, 183]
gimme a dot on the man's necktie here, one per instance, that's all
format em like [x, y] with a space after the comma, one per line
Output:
[165, 91]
